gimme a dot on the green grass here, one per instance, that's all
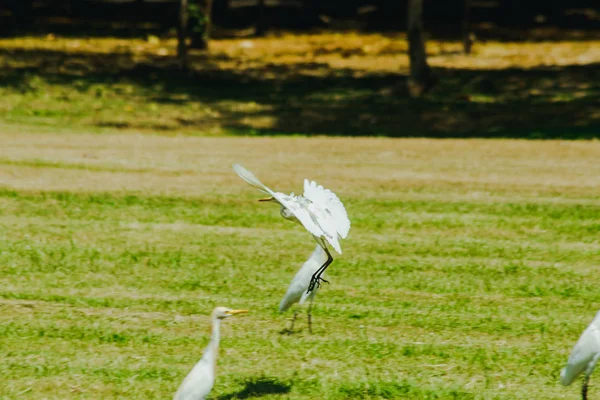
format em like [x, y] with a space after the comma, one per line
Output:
[460, 279]
[319, 84]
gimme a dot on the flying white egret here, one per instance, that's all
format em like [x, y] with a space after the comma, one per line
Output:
[199, 382]
[584, 356]
[297, 291]
[319, 210]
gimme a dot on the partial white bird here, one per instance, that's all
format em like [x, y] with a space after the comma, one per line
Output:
[584, 356]
[319, 210]
[199, 382]
[297, 291]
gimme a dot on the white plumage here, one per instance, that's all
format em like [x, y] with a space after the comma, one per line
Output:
[200, 380]
[318, 195]
[296, 292]
[584, 356]
[319, 210]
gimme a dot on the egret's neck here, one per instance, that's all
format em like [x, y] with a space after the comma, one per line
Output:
[287, 214]
[216, 332]
[210, 353]
[213, 346]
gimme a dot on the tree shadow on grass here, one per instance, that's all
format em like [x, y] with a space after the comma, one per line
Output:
[309, 98]
[258, 387]
[515, 103]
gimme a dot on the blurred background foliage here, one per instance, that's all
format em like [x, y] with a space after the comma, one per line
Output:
[499, 68]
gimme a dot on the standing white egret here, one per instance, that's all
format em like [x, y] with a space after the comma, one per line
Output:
[297, 291]
[584, 356]
[319, 210]
[199, 382]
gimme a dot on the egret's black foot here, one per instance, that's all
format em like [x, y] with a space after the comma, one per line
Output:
[316, 281]
[313, 282]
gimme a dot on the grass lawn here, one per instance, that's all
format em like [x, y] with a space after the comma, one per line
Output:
[331, 84]
[469, 272]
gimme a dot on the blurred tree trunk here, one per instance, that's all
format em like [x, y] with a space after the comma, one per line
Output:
[260, 18]
[208, 7]
[420, 78]
[201, 24]
[467, 41]
[182, 24]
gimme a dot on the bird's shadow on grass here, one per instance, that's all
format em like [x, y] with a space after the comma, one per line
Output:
[258, 387]
[288, 331]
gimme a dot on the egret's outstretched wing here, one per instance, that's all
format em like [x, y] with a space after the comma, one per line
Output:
[251, 179]
[330, 203]
[300, 211]
[317, 220]
[327, 224]
[584, 351]
[310, 218]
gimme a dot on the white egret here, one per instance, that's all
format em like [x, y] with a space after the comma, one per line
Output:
[199, 382]
[584, 356]
[319, 210]
[297, 291]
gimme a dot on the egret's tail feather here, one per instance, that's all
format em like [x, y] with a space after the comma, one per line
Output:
[567, 377]
[285, 305]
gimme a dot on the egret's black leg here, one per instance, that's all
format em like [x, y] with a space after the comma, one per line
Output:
[316, 278]
[584, 387]
[290, 330]
[318, 274]
[309, 317]
[293, 320]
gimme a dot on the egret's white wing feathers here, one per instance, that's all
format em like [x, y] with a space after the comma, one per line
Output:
[288, 201]
[327, 225]
[330, 203]
[251, 178]
[584, 352]
[305, 213]
[296, 292]
[319, 210]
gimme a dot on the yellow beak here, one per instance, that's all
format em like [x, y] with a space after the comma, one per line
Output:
[234, 312]
[266, 199]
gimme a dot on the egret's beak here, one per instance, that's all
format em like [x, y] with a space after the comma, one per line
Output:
[267, 199]
[234, 312]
